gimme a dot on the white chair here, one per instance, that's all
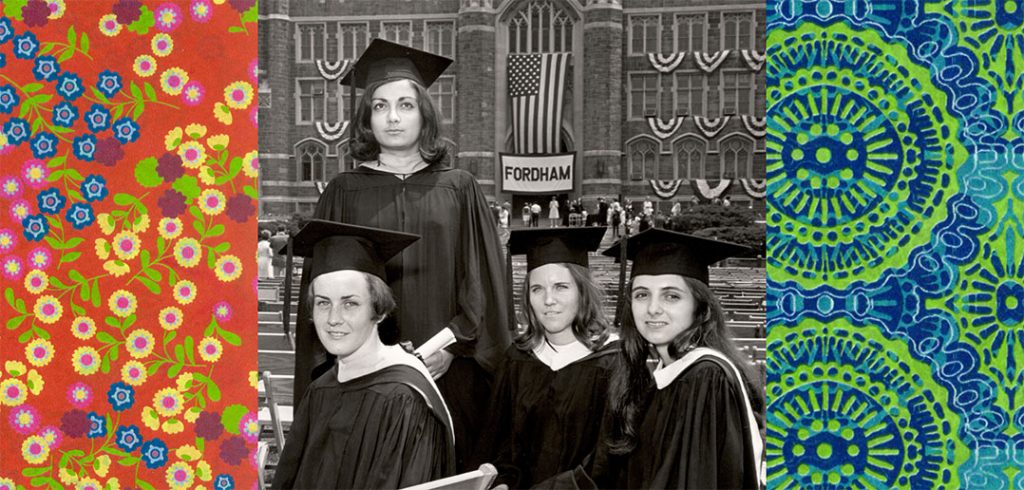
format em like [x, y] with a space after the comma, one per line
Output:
[277, 416]
[262, 454]
[478, 479]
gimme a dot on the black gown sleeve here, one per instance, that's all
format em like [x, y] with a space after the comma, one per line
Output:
[497, 443]
[481, 325]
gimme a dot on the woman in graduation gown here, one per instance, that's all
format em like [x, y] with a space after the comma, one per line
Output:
[695, 421]
[547, 405]
[454, 276]
[375, 419]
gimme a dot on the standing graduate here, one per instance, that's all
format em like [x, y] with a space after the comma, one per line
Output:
[375, 419]
[695, 421]
[454, 276]
[552, 387]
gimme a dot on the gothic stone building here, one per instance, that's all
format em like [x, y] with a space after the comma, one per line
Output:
[663, 99]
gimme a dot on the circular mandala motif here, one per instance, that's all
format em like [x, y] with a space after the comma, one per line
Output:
[857, 152]
[850, 409]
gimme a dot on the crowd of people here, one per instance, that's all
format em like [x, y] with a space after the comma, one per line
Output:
[402, 248]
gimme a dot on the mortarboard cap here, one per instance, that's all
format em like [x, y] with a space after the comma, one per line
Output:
[555, 245]
[383, 60]
[657, 251]
[334, 246]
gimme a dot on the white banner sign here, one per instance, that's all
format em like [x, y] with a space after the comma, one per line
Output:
[537, 173]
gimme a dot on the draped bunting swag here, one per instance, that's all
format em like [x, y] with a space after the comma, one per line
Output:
[756, 126]
[754, 188]
[331, 132]
[665, 129]
[709, 62]
[711, 126]
[332, 71]
[666, 189]
[666, 64]
[754, 60]
[703, 188]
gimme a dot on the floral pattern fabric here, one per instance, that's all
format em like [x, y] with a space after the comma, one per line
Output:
[128, 184]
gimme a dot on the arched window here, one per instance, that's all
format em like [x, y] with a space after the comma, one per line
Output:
[540, 27]
[312, 161]
[643, 159]
[690, 153]
[737, 157]
[738, 29]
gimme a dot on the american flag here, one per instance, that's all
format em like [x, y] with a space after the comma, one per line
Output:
[537, 85]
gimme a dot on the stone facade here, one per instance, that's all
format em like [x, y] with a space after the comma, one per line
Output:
[613, 87]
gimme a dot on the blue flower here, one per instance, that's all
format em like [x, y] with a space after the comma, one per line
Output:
[121, 396]
[26, 46]
[6, 31]
[80, 215]
[64, 114]
[224, 482]
[94, 188]
[50, 201]
[128, 438]
[98, 118]
[36, 227]
[3, 60]
[84, 147]
[109, 83]
[126, 130]
[46, 68]
[97, 425]
[69, 86]
[154, 453]
[8, 99]
[44, 145]
[16, 130]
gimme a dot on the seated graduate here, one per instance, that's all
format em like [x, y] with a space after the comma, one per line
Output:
[376, 419]
[694, 422]
[551, 389]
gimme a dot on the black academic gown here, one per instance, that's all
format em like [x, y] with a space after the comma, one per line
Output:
[543, 422]
[452, 277]
[386, 429]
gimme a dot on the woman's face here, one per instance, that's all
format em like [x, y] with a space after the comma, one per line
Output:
[342, 311]
[395, 116]
[663, 308]
[555, 300]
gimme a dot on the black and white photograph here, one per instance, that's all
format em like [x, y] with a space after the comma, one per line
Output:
[512, 243]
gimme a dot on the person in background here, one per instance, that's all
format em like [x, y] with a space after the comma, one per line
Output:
[375, 419]
[264, 256]
[602, 212]
[278, 243]
[553, 217]
[526, 214]
[551, 389]
[535, 210]
[454, 276]
[615, 218]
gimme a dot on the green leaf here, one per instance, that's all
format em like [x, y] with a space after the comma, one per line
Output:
[41, 333]
[99, 96]
[179, 353]
[145, 174]
[72, 243]
[230, 337]
[105, 337]
[124, 199]
[12, 8]
[210, 328]
[29, 88]
[40, 481]
[71, 257]
[250, 191]
[250, 15]
[169, 336]
[39, 99]
[114, 353]
[232, 416]
[113, 451]
[145, 21]
[105, 365]
[25, 337]
[128, 461]
[189, 349]
[47, 47]
[129, 321]
[187, 185]
[78, 310]
[236, 166]
[215, 230]
[35, 124]
[118, 110]
[15, 322]
[136, 91]
[113, 322]
[153, 368]
[144, 485]
[96, 293]
[9, 296]
[213, 390]
[150, 93]
[174, 370]
[83, 293]
[72, 37]
[200, 444]
[19, 305]
[137, 112]
[30, 472]
[74, 274]
[66, 55]
[235, 29]
[151, 285]
[56, 162]
[84, 43]
[154, 274]
[222, 248]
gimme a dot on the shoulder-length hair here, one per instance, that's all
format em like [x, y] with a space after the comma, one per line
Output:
[589, 326]
[364, 146]
[632, 379]
[382, 300]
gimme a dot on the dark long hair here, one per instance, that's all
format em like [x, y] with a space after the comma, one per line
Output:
[632, 380]
[364, 145]
[589, 326]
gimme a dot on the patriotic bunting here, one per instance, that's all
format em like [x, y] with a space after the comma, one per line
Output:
[665, 129]
[711, 126]
[754, 188]
[709, 62]
[754, 60]
[331, 132]
[705, 189]
[666, 63]
[756, 126]
[332, 71]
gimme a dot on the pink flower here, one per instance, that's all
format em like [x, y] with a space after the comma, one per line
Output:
[168, 17]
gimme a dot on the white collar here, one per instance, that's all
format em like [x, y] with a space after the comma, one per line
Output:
[565, 354]
[665, 375]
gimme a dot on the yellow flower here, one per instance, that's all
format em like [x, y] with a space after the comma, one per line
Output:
[188, 453]
[139, 343]
[15, 368]
[36, 281]
[195, 131]
[173, 139]
[203, 471]
[184, 381]
[35, 450]
[170, 228]
[150, 418]
[210, 349]
[218, 142]
[48, 309]
[222, 113]
[67, 476]
[254, 379]
[192, 154]
[116, 268]
[179, 475]
[126, 245]
[102, 248]
[113, 484]
[106, 223]
[13, 392]
[101, 465]
[35, 382]
[238, 95]
[206, 175]
[141, 224]
[134, 373]
[88, 484]
[251, 164]
[168, 402]
[172, 426]
[192, 414]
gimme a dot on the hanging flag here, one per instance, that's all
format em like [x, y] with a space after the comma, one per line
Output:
[537, 84]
